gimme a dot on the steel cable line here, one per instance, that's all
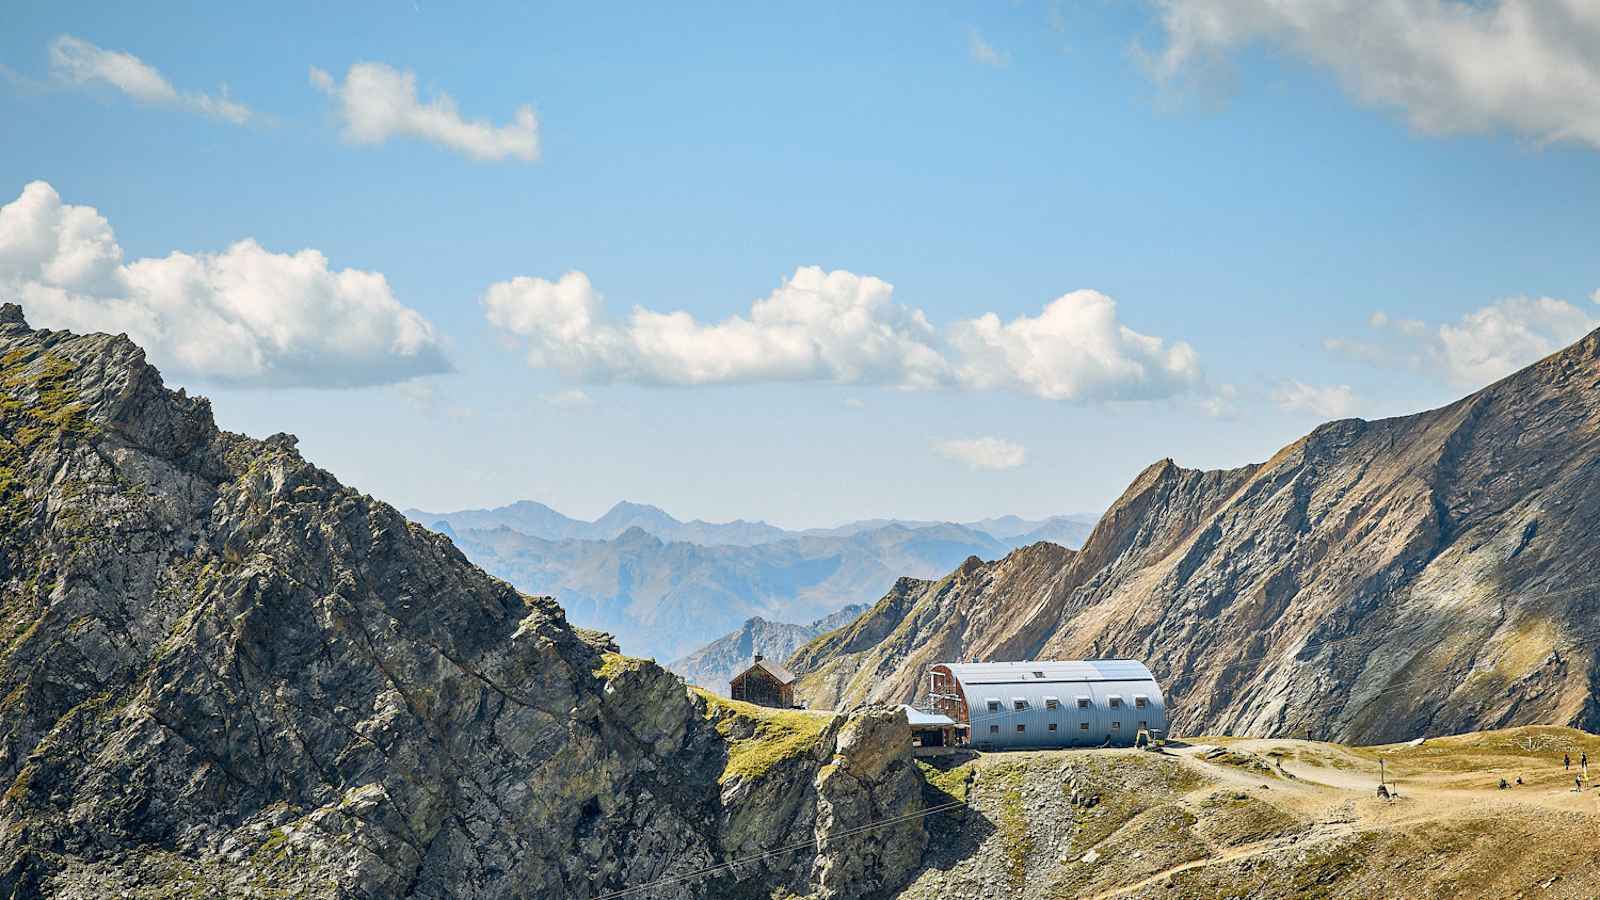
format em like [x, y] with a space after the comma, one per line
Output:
[721, 868]
[729, 866]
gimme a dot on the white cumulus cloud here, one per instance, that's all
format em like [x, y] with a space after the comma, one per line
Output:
[1334, 401]
[989, 454]
[244, 316]
[983, 52]
[76, 61]
[1485, 345]
[1529, 66]
[818, 326]
[1075, 348]
[845, 328]
[377, 102]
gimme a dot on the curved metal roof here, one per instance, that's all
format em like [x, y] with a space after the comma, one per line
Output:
[1039, 672]
[1059, 703]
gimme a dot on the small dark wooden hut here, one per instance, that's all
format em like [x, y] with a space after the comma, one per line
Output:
[765, 683]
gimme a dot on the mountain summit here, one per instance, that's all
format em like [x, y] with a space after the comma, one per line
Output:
[1428, 574]
[226, 674]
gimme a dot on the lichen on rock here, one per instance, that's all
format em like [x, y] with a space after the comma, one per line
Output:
[224, 673]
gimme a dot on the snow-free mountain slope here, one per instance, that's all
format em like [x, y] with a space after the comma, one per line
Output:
[223, 673]
[1432, 573]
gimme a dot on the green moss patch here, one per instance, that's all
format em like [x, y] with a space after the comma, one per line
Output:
[950, 785]
[760, 737]
[614, 665]
[39, 392]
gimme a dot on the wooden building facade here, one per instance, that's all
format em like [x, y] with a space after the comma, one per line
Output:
[765, 683]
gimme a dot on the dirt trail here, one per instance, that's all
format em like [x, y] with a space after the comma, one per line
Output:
[1259, 848]
[1336, 788]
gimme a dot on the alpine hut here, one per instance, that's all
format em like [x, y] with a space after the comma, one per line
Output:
[1058, 703]
[764, 683]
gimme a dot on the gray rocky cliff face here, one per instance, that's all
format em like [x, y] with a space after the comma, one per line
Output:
[868, 781]
[223, 673]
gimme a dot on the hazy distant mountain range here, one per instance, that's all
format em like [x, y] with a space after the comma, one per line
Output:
[666, 587]
[714, 665]
[537, 520]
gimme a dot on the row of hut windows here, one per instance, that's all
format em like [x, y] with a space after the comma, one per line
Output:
[1139, 702]
[1082, 726]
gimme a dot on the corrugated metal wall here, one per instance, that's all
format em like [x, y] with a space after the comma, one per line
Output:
[1094, 704]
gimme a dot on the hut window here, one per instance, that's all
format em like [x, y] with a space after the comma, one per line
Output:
[1051, 703]
[1021, 728]
[1116, 702]
[1140, 701]
[1083, 726]
[1083, 702]
[994, 729]
[1052, 726]
[1019, 703]
[994, 704]
[1116, 726]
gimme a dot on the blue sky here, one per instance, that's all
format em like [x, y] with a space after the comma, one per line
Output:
[1242, 189]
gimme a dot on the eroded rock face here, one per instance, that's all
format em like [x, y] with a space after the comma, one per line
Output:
[223, 671]
[1373, 581]
[868, 781]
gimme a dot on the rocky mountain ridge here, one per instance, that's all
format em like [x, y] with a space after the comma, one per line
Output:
[1432, 573]
[223, 673]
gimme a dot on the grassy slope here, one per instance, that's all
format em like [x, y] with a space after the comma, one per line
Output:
[1124, 823]
[760, 737]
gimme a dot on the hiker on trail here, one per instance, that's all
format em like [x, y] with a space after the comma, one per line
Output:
[1503, 785]
[1566, 761]
[1577, 785]
[1383, 792]
[1583, 763]
[1519, 779]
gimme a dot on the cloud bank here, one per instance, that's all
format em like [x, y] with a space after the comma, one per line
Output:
[1484, 346]
[843, 328]
[990, 454]
[78, 62]
[377, 102]
[1334, 401]
[1451, 67]
[245, 316]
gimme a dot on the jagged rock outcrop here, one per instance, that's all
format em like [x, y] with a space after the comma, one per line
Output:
[1374, 580]
[223, 673]
[870, 779]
